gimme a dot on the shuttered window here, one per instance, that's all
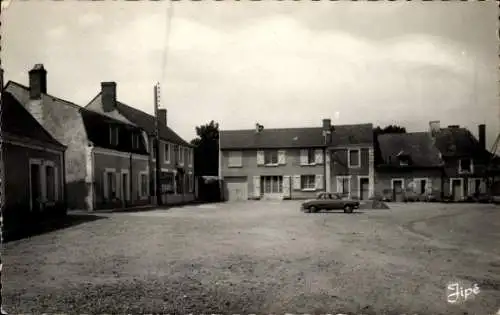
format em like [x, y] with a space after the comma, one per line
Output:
[235, 159]
[308, 181]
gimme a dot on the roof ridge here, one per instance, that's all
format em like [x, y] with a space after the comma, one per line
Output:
[49, 95]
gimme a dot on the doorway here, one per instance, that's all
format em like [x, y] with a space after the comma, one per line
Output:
[456, 189]
[397, 190]
[364, 183]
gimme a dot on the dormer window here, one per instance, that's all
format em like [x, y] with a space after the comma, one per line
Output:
[113, 135]
[465, 166]
[404, 160]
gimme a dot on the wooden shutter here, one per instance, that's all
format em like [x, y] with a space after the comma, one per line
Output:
[318, 156]
[256, 186]
[296, 182]
[303, 157]
[105, 185]
[482, 186]
[319, 182]
[428, 187]
[260, 157]
[281, 157]
[118, 186]
[286, 186]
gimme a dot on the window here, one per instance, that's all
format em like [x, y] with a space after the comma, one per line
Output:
[308, 181]
[179, 183]
[181, 155]
[343, 185]
[421, 186]
[109, 184]
[155, 143]
[113, 135]
[271, 184]
[191, 183]
[167, 182]
[465, 166]
[271, 157]
[235, 159]
[176, 152]
[143, 184]
[166, 152]
[190, 157]
[50, 178]
[311, 159]
[354, 158]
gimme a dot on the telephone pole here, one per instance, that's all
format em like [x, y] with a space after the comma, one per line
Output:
[157, 147]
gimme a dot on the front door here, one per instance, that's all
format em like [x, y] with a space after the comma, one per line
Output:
[125, 192]
[456, 190]
[35, 187]
[397, 190]
[363, 186]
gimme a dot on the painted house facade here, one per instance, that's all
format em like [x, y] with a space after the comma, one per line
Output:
[408, 166]
[466, 159]
[105, 155]
[33, 186]
[289, 163]
[176, 155]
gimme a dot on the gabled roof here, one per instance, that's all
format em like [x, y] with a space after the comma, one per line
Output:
[295, 137]
[145, 121]
[459, 142]
[418, 146]
[17, 121]
[89, 118]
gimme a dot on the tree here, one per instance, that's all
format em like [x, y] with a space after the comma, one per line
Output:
[206, 151]
[389, 129]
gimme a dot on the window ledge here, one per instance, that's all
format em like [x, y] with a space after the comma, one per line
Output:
[359, 166]
[308, 189]
[309, 164]
[271, 165]
[233, 166]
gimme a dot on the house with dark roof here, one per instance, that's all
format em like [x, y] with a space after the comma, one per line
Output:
[106, 161]
[408, 165]
[33, 166]
[296, 163]
[176, 155]
[466, 159]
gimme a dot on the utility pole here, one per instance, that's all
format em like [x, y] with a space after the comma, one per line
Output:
[157, 147]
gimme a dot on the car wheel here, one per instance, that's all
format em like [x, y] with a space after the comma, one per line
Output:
[348, 209]
[313, 209]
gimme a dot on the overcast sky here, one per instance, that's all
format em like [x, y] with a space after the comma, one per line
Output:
[283, 64]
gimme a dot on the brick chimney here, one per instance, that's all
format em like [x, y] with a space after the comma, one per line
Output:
[482, 135]
[38, 81]
[434, 127]
[162, 115]
[108, 95]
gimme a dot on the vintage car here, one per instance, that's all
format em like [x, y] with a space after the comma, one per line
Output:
[329, 201]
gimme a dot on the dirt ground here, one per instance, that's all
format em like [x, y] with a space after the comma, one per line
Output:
[261, 257]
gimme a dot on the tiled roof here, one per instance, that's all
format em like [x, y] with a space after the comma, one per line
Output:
[458, 142]
[295, 137]
[147, 122]
[419, 146]
[141, 119]
[90, 119]
[16, 120]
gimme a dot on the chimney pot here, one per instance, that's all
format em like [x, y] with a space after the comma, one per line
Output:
[108, 94]
[162, 115]
[37, 81]
[327, 124]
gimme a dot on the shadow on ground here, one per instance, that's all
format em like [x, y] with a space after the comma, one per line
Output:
[374, 204]
[48, 226]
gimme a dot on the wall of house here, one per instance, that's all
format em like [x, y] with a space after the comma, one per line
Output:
[383, 178]
[17, 179]
[340, 167]
[249, 169]
[134, 166]
[169, 165]
[65, 124]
